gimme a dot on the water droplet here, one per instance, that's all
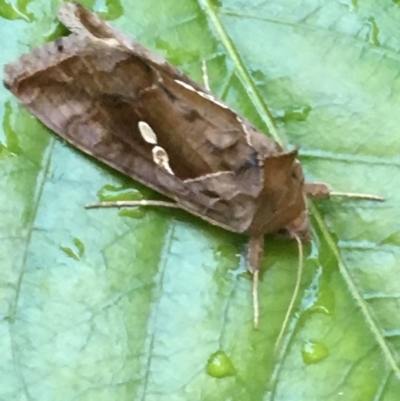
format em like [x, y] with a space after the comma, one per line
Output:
[355, 5]
[219, 365]
[80, 246]
[325, 302]
[374, 32]
[295, 114]
[111, 193]
[320, 296]
[11, 146]
[75, 253]
[112, 10]
[133, 213]
[11, 12]
[69, 251]
[314, 352]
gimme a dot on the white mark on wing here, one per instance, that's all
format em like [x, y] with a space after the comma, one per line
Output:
[161, 158]
[159, 77]
[246, 131]
[111, 42]
[212, 99]
[202, 94]
[147, 133]
[185, 85]
[149, 89]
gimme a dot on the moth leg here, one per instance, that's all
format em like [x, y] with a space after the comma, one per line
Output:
[205, 75]
[255, 253]
[132, 203]
[317, 190]
[294, 295]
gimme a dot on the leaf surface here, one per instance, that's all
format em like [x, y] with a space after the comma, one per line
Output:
[156, 304]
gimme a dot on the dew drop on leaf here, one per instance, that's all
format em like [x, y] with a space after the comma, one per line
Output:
[314, 352]
[219, 365]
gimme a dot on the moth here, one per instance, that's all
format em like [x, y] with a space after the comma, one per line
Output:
[122, 104]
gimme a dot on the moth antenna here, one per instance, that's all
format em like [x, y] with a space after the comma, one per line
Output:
[132, 203]
[294, 295]
[256, 304]
[255, 253]
[205, 75]
[357, 196]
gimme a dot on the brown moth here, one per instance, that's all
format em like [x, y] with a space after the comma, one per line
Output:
[120, 103]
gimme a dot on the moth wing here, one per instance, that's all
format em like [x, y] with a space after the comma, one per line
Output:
[82, 22]
[99, 117]
[229, 142]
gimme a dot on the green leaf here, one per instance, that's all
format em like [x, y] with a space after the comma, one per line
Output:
[156, 304]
